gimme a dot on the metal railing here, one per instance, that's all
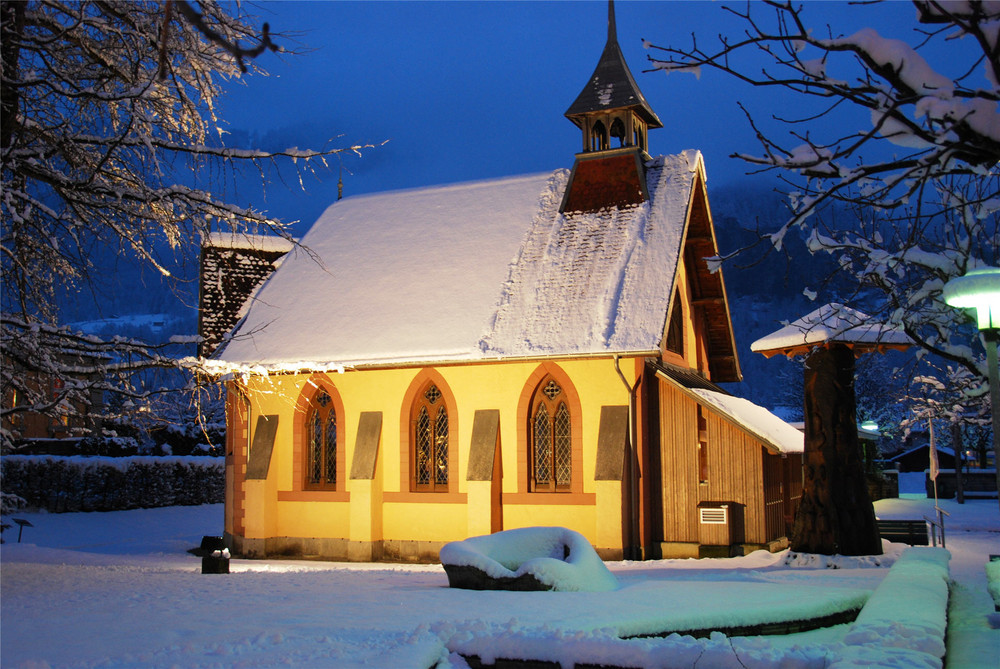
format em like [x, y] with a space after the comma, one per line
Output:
[937, 525]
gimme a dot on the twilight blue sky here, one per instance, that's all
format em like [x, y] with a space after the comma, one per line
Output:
[473, 90]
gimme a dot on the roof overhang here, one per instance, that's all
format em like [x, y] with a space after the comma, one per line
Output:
[709, 288]
[777, 436]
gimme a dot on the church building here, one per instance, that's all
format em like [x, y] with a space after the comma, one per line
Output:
[537, 350]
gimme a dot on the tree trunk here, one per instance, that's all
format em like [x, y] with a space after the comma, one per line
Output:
[835, 515]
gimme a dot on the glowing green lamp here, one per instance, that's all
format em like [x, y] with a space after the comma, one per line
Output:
[979, 289]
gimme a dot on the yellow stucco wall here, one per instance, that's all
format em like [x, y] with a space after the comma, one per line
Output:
[384, 510]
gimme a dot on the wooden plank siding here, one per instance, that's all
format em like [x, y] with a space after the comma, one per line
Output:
[735, 475]
[679, 464]
[741, 473]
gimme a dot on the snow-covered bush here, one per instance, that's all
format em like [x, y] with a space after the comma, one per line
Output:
[108, 446]
[993, 581]
[61, 484]
[9, 503]
[528, 558]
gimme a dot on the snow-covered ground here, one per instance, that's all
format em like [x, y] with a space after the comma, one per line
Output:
[118, 590]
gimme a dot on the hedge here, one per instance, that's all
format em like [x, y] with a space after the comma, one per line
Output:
[60, 484]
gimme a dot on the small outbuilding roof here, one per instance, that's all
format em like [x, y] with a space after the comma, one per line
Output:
[774, 433]
[473, 271]
[832, 323]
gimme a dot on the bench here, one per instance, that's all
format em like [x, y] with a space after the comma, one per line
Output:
[913, 532]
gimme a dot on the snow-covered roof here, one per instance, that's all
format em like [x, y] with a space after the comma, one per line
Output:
[775, 433]
[757, 420]
[831, 323]
[473, 271]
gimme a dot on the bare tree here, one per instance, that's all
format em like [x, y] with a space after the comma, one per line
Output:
[912, 198]
[904, 203]
[110, 138]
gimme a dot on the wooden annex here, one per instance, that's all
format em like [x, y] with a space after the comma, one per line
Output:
[528, 351]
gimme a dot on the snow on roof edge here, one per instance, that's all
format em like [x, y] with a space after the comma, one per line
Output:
[220, 367]
[243, 240]
[755, 419]
[776, 434]
[451, 186]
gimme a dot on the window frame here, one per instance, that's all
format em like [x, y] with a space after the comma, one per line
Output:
[550, 397]
[430, 402]
[533, 396]
[409, 409]
[321, 414]
[304, 411]
[702, 449]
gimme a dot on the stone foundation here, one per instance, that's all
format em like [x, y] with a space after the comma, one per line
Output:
[344, 550]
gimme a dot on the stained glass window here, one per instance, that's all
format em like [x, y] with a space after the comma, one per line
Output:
[561, 451]
[321, 442]
[424, 439]
[441, 447]
[543, 445]
[430, 441]
[551, 439]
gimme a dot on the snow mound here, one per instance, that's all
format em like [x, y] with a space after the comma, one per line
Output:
[993, 581]
[907, 614]
[528, 558]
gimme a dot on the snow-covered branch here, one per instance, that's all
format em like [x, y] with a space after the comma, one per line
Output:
[944, 125]
[110, 138]
[911, 198]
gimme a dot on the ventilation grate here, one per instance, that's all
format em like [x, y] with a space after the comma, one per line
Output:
[713, 515]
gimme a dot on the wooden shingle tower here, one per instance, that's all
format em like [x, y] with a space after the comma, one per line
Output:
[614, 117]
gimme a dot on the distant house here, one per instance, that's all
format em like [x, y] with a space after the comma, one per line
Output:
[40, 414]
[457, 360]
[918, 458]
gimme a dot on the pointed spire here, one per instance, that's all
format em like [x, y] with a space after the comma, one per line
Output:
[610, 107]
[612, 86]
[612, 28]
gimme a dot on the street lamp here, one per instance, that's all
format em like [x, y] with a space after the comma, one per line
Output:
[979, 289]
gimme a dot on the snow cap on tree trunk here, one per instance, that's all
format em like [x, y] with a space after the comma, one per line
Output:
[831, 323]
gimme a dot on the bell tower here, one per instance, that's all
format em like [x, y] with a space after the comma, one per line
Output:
[614, 118]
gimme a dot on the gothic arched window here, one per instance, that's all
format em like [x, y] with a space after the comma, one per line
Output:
[550, 459]
[429, 440]
[320, 435]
